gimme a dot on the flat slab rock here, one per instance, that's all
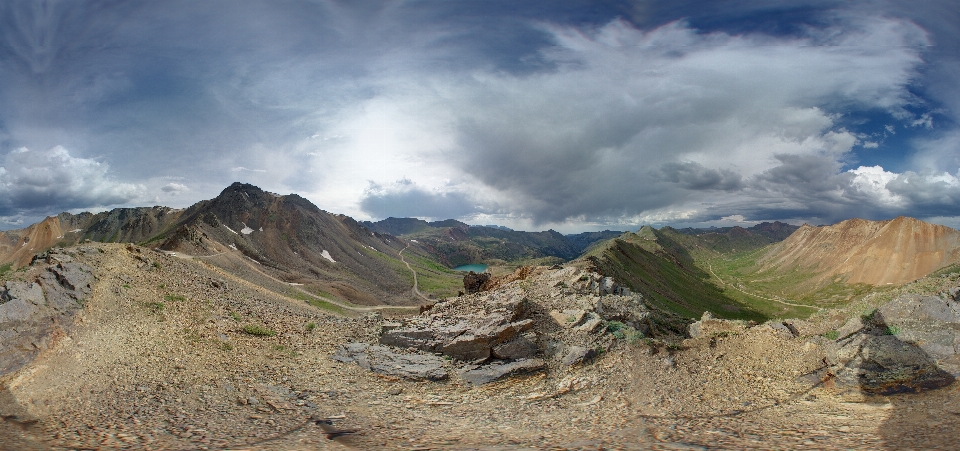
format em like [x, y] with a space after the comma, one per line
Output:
[383, 360]
[484, 374]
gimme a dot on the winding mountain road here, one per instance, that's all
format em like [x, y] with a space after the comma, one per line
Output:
[416, 290]
[757, 295]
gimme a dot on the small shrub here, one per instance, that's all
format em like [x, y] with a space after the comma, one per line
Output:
[279, 348]
[893, 330]
[125, 286]
[259, 331]
[226, 346]
[156, 307]
[174, 297]
[615, 326]
[831, 335]
[235, 316]
[311, 326]
[162, 285]
[156, 264]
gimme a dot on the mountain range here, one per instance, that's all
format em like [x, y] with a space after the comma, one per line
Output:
[290, 244]
[259, 321]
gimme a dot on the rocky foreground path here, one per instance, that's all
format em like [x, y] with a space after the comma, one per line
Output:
[168, 355]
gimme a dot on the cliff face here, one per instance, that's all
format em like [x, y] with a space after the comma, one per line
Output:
[872, 252]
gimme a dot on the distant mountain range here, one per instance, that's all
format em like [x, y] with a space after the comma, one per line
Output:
[302, 251]
[455, 243]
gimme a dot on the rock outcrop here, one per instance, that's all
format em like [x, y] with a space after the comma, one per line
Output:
[463, 339]
[382, 360]
[559, 317]
[35, 313]
[484, 374]
[473, 282]
[909, 344]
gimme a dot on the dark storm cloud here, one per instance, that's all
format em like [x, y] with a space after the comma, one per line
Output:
[553, 112]
[406, 199]
[695, 176]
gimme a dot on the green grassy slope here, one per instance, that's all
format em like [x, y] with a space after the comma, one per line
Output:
[664, 272]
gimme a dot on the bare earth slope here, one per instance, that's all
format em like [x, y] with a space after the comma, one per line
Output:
[872, 252]
[160, 360]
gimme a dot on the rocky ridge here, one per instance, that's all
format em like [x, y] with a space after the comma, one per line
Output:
[175, 354]
[538, 319]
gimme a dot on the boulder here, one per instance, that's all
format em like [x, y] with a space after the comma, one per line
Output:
[929, 322]
[590, 322]
[909, 344]
[467, 347]
[473, 282]
[518, 348]
[457, 338]
[412, 337]
[484, 374]
[382, 360]
[852, 326]
[577, 355]
[568, 318]
[708, 326]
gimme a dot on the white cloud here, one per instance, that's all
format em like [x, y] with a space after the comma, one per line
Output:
[634, 123]
[873, 181]
[870, 145]
[925, 121]
[48, 180]
[174, 188]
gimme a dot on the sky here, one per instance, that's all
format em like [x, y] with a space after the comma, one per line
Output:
[570, 115]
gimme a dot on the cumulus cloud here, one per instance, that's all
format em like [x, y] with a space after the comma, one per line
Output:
[500, 113]
[174, 188]
[53, 180]
[632, 121]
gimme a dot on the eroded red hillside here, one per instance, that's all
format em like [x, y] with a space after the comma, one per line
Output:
[872, 252]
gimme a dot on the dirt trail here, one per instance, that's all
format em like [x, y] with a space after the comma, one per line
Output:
[345, 306]
[416, 290]
[819, 309]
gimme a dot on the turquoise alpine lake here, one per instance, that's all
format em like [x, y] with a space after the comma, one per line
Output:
[475, 267]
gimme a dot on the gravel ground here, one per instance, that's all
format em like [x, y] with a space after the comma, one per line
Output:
[161, 361]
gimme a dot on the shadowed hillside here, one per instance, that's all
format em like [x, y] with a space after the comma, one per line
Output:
[652, 263]
[285, 239]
